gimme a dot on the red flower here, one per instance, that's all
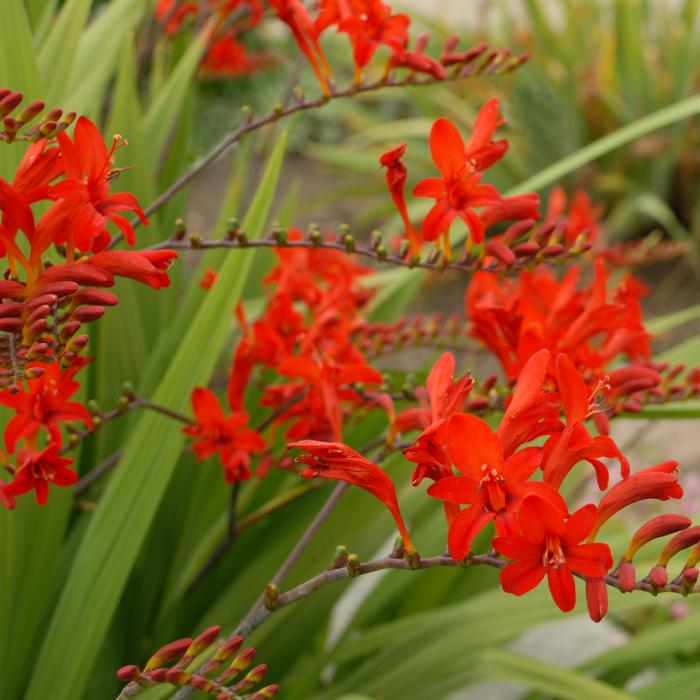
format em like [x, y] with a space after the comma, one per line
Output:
[208, 278]
[582, 218]
[229, 436]
[334, 460]
[228, 57]
[369, 24]
[326, 376]
[80, 217]
[446, 398]
[658, 482]
[593, 326]
[306, 33]
[494, 477]
[42, 405]
[459, 190]
[396, 180]
[549, 545]
[575, 444]
[37, 469]
[146, 266]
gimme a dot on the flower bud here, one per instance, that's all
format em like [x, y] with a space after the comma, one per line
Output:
[11, 309]
[86, 314]
[596, 598]
[97, 297]
[500, 252]
[658, 576]
[659, 526]
[127, 674]
[627, 576]
[169, 652]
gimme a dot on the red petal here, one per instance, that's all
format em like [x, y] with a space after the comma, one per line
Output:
[579, 525]
[562, 587]
[573, 390]
[516, 547]
[540, 517]
[591, 559]
[447, 148]
[465, 527]
[431, 187]
[455, 489]
[522, 576]
[472, 444]
[438, 220]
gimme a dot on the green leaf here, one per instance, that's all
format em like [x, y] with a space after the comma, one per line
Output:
[18, 70]
[57, 52]
[627, 134]
[98, 55]
[667, 322]
[560, 682]
[164, 110]
[119, 527]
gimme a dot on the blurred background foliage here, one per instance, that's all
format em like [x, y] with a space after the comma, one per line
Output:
[87, 585]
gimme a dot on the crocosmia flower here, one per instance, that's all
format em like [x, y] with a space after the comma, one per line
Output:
[549, 544]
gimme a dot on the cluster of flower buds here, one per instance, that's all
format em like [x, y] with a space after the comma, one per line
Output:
[687, 537]
[639, 386]
[371, 24]
[375, 339]
[221, 677]
[14, 127]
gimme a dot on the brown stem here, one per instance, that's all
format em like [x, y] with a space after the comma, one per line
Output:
[473, 262]
[281, 111]
[257, 616]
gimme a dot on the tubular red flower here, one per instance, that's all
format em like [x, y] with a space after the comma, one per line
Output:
[683, 540]
[428, 452]
[575, 444]
[334, 460]
[658, 482]
[660, 526]
[306, 33]
[396, 173]
[596, 598]
[146, 266]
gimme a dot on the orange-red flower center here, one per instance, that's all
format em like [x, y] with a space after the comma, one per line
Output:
[553, 555]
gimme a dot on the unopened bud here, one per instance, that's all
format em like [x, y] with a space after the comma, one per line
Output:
[127, 674]
[168, 653]
[272, 593]
[353, 565]
[658, 576]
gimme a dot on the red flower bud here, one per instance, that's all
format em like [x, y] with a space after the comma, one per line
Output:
[596, 598]
[126, 674]
[681, 541]
[659, 526]
[169, 652]
[626, 575]
[658, 576]
[86, 314]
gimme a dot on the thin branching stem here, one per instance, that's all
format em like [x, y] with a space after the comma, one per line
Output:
[282, 111]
